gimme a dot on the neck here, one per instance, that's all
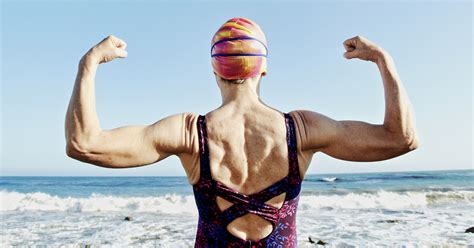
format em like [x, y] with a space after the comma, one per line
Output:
[245, 94]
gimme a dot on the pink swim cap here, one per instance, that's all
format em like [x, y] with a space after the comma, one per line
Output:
[239, 50]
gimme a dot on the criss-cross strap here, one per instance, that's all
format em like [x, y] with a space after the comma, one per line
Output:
[239, 209]
[235, 211]
[272, 191]
[243, 203]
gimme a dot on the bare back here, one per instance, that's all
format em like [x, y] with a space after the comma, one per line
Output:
[248, 153]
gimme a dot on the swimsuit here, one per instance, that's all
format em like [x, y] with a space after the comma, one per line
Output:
[212, 224]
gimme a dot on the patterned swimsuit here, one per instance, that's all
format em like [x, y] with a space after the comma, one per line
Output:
[212, 231]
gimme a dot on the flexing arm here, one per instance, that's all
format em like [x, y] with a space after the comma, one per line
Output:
[357, 140]
[120, 147]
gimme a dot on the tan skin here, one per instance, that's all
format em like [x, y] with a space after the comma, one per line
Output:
[247, 139]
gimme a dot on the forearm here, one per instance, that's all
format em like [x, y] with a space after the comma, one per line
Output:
[82, 122]
[399, 116]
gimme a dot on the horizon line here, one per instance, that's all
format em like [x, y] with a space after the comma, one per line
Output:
[337, 173]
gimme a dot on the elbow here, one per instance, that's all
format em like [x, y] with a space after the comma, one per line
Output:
[76, 150]
[72, 151]
[411, 145]
[86, 153]
[410, 142]
[404, 141]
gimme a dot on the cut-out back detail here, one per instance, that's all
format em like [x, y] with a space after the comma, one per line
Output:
[212, 225]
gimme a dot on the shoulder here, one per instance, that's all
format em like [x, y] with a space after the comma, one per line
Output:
[184, 117]
[299, 118]
[178, 122]
[313, 128]
[311, 119]
[188, 120]
[176, 132]
[307, 116]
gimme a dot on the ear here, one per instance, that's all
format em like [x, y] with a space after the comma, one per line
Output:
[216, 76]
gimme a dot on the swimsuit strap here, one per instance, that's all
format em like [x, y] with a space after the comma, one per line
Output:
[294, 172]
[203, 148]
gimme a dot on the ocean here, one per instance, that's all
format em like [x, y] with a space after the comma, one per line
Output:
[398, 209]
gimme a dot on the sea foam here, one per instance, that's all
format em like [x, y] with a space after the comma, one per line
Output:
[170, 204]
[185, 204]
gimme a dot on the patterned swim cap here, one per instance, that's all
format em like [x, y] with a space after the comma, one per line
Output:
[239, 50]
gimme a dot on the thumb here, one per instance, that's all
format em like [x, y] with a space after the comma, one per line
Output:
[351, 54]
[121, 53]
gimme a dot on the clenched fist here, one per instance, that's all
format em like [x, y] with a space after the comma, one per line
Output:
[361, 48]
[107, 50]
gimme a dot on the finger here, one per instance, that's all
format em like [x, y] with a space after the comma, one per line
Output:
[349, 48]
[350, 44]
[352, 54]
[117, 42]
[121, 44]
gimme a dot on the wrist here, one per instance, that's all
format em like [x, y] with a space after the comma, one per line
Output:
[89, 59]
[88, 63]
[382, 58]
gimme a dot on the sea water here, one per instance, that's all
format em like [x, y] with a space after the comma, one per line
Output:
[402, 209]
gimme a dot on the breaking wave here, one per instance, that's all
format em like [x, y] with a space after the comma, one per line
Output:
[184, 204]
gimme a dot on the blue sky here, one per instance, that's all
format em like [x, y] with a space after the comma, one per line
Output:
[168, 71]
